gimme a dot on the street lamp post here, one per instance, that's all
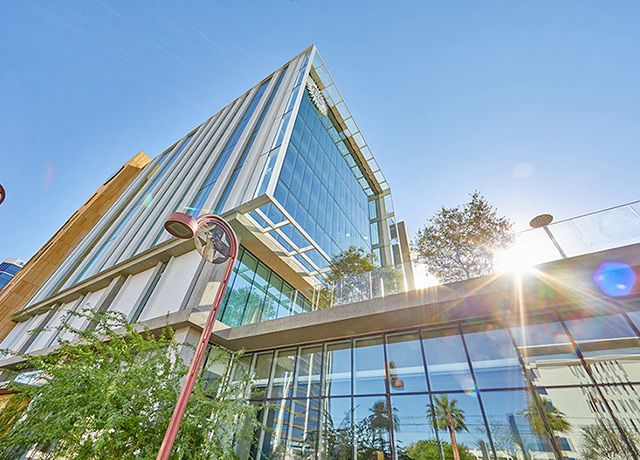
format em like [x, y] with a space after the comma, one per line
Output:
[543, 221]
[216, 242]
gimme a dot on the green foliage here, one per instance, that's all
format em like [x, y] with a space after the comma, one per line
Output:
[351, 262]
[110, 395]
[459, 243]
[354, 276]
[427, 449]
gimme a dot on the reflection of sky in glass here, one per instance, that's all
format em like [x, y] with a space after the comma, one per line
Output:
[375, 410]
[412, 422]
[635, 318]
[405, 362]
[599, 327]
[610, 228]
[446, 361]
[546, 341]
[494, 359]
[604, 335]
[369, 366]
[337, 378]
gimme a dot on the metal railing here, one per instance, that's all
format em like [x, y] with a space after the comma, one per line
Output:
[597, 231]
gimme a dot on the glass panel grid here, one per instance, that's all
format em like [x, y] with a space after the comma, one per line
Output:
[363, 413]
[317, 187]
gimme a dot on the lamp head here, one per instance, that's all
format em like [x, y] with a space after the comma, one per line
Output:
[181, 225]
[541, 221]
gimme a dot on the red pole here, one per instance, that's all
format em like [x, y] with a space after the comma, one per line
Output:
[187, 387]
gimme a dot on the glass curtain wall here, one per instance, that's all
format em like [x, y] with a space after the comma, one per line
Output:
[318, 189]
[566, 385]
[256, 293]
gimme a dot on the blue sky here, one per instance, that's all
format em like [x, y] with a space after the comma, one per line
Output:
[537, 104]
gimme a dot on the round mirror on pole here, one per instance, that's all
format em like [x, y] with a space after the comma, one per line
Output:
[212, 240]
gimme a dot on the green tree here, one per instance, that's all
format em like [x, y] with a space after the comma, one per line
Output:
[351, 262]
[448, 416]
[428, 449]
[110, 395]
[556, 419]
[459, 243]
[354, 276]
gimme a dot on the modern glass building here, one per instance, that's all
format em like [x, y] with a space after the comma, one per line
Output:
[8, 270]
[540, 364]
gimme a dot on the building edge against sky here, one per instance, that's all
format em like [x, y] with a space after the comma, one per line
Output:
[240, 163]
[287, 166]
[8, 269]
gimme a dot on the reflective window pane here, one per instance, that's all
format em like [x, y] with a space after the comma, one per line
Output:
[582, 425]
[369, 366]
[515, 424]
[274, 440]
[404, 366]
[413, 428]
[337, 379]
[609, 344]
[261, 371]
[547, 351]
[337, 432]
[303, 430]
[494, 359]
[282, 377]
[309, 365]
[447, 364]
[372, 427]
[460, 423]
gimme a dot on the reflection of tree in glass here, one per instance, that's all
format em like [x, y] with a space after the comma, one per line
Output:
[556, 419]
[337, 437]
[370, 435]
[234, 307]
[448, 416]
[510, 442]
[372, 432]
[601, 442]
[428, 449]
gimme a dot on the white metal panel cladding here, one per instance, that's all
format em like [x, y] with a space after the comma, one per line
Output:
[172, 287]
[131, 291]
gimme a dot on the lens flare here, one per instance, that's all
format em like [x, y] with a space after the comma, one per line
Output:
[147, 200]
[615, 279]
[471, 390]
[48, 176]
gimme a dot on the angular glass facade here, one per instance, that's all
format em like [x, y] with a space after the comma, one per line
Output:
[551, 388]
[318, 189]
[256, 293]
[7, 271]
